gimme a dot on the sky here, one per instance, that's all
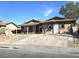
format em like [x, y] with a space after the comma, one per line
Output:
[21, 11]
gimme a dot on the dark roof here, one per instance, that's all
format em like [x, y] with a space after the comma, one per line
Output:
[33, 20]
[11, 23]
[5, 23]
[64, 20]
[31, 23]
[55, 18]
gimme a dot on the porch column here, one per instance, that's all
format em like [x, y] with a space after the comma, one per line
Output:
[52, 29]
[27, 29]
[34, 29]
[44, 29]
[24, 29]
[16, 31]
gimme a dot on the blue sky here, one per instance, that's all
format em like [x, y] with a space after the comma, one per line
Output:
[20, 11]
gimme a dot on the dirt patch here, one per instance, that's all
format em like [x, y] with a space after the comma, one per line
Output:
[5, 38]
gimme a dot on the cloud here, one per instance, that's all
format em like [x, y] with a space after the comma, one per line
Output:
[48, 12]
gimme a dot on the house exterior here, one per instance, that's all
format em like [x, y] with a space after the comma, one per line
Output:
[53, 25]
[58, 25]
[31, 26]
[8, 27]
[11, 26]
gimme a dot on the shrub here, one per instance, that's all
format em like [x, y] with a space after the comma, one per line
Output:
[2, 30]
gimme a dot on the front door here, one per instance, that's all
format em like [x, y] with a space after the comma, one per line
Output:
[55, 28]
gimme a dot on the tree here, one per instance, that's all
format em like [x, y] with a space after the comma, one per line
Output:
[70, 10]
[1, 21]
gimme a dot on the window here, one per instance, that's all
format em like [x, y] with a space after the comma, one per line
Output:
[61, 25]
[49, 27]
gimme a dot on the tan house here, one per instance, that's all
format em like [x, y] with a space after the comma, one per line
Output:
[53, 25]
[57, 25]
[8, 26]
[11, 26]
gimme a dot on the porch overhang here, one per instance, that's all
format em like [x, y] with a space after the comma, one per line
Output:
[30, 24]
[56, 21]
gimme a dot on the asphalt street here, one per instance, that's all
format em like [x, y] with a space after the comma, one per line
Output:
[33, 51]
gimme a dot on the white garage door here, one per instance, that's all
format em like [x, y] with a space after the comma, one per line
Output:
[55, 28]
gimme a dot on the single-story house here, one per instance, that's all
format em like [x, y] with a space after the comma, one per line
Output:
[58, 25]
[8, 26]
[11, 26]
[18, 30]
[31, 26]
[53, 25]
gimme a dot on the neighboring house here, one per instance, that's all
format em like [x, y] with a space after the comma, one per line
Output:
[2, 24]
[54, 25]
[18, 30]
[8, 26]
[11, 26]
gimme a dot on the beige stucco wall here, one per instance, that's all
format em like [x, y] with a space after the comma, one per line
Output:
[46, 29]
[65, 29]
[61, 30]
[11, 27]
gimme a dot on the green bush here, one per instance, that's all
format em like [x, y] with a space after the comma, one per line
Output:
[2, 30]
